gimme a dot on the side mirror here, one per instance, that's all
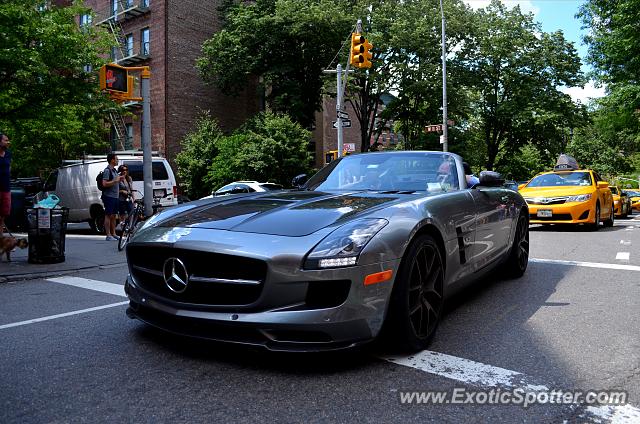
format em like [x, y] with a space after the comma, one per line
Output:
[521, 186]
[299, 181]
[491, 179]
[603, 184]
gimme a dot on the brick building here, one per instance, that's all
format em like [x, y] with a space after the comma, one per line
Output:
[167, 36]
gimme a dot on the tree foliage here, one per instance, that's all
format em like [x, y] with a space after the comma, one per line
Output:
[199, 148]
[515, 72]
[268, 147]
[50, 107]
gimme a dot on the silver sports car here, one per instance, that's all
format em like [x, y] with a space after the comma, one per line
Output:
[369, 246]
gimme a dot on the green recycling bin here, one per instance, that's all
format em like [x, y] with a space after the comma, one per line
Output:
[47, 229]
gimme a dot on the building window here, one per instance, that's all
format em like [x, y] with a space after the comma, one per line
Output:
[129, 45]
[129, 4]
[144, 47]
[85, 20]
[114, 53]
[88, 68]
[129, 141]
[114, 7]
[145, 3]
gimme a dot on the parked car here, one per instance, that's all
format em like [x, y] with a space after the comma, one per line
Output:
[76, 187]
[634, 196]
[372, 244]
[240, 187]
[569, 195]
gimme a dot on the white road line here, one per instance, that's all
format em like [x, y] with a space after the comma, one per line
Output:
[587, 264]
[466, 371]
[487, 376]
[85, 283]
[625, 242]
[623, 256]
[67, 314]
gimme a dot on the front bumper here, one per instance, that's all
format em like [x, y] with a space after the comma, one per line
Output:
[567, 213]
[295, 325]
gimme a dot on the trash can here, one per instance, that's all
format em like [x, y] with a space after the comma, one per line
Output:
[47, 229]
[15, 221]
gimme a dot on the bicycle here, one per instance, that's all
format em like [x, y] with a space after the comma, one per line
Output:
[136, 216]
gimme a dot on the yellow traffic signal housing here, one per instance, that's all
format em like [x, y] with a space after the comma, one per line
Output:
[367, 54]
[114, 78]
[360, 54]
[357, 49]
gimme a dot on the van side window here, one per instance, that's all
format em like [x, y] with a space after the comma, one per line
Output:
[158, 170]
[50, 184]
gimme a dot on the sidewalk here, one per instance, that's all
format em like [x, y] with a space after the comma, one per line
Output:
[82, 251]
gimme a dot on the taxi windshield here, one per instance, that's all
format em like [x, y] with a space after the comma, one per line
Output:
[614, 190]
[560, 179]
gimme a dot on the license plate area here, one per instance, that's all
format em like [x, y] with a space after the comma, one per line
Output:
[159, 192]
[544, 213]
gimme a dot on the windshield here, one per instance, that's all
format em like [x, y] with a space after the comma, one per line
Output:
[614, 190]
[559, 179]
[410, 171]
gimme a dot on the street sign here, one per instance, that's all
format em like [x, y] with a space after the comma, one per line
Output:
[433, 128]
[342, 114]
[349, 147]
[442, 139]
[345, 124]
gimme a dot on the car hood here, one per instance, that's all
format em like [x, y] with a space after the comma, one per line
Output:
[293, 214]
[556, 191]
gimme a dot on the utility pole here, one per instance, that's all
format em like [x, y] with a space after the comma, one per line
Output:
[339, 108]
[147, 159]
[445, 132]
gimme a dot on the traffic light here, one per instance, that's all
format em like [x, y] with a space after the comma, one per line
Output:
[360, 51]
[114, 78]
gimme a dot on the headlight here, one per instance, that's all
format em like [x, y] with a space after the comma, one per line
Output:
[343, 246]
[579, 198]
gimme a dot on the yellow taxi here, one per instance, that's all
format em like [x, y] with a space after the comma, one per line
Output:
[621, 202]
[569, 196]
[635, 199]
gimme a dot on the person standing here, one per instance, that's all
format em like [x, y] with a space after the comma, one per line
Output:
[125, 205]
[110, 195]
[5, 180]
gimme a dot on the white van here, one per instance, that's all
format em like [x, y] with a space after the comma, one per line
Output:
[76, 186]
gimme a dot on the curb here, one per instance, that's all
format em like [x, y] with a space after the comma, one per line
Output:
[49, 274]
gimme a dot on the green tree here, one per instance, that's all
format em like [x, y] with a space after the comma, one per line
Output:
[198, 152]
[515, 70]
[269, 147]
[284, 43]
[49, 105]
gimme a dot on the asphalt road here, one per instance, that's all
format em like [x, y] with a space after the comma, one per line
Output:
[69, 354]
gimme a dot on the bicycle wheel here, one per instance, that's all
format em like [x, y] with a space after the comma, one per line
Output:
[125, 235]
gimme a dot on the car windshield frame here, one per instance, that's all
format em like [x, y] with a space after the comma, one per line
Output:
[562, 179]
[411, 171]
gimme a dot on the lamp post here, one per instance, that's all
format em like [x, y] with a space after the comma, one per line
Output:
[445, 142]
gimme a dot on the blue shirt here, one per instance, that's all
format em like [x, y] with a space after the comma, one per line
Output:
[5, 171]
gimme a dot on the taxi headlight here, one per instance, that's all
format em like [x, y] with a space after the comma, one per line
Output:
[343, 246]
[579, 198]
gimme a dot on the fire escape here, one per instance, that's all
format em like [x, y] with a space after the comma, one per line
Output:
[124, 53]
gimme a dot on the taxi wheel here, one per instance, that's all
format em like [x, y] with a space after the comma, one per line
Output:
[609, 222]
[596, 222]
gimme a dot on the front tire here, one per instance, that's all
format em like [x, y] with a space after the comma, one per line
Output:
[609, 222]
[596, 220]
[518, 259]
[418, 296]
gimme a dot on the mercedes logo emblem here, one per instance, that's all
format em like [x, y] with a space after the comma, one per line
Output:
[175, 275]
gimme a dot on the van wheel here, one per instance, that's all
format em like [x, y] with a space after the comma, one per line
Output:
[97, 221]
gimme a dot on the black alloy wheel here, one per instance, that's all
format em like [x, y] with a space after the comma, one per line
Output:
[418, 296]
[518, 260]
[609, 222]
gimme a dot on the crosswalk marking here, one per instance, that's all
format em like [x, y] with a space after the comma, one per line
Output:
[66, 314]
[85, 283]
[586, 264]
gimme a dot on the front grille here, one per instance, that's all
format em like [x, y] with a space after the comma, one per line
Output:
[214, 278]
[555, 217]
[546, 200]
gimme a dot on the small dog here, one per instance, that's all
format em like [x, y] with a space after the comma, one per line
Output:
[7, 244]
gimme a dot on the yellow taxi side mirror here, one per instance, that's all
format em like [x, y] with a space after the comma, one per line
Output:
[603, 184]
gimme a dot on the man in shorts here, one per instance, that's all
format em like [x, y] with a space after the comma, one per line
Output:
[110, 195]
